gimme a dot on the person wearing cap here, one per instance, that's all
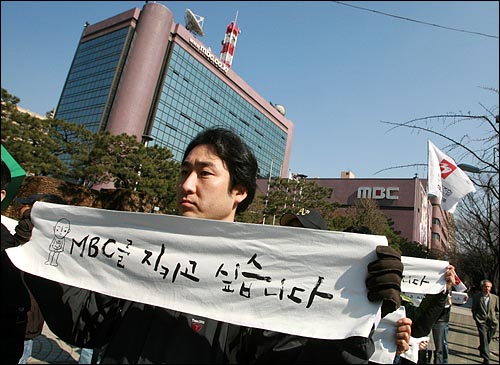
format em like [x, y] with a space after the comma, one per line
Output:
[15, 302]
[306, 218]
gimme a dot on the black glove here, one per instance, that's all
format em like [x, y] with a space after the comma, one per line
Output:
[24, 228]
[384, 279]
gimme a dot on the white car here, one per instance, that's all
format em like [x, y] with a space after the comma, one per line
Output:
[457, 298]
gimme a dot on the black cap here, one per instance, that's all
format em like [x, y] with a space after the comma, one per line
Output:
[49, 198]
[358, 229]
[308, 217]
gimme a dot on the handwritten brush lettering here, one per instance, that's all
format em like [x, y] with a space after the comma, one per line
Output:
[414, 280]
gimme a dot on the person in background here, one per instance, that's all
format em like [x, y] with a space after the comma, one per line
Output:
[424, 316]
[440, 333]
[15, 302]
[217, 180]
[23, 231]
[35, 317]
[24, 226]
[485, 314]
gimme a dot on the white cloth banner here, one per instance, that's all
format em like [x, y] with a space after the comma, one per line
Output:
[412, 353]
[10, 224]
[299, 281]
[420, 277]
[446, 180]
[384, 338]
[423, 276]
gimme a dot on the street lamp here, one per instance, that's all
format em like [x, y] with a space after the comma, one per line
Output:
[472, 169]
[146, 138]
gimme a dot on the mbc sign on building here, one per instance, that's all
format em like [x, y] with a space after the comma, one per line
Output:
[365, 192]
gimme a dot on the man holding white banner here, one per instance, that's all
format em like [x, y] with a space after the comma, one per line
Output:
[446, 180]
[217, 180]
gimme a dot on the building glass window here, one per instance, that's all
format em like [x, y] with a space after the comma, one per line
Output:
[90, 85]
[193, 98]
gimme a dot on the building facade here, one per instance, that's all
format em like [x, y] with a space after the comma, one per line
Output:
[404, 201]
[142, 74]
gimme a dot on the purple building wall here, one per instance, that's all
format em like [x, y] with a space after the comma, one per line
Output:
[141, 74]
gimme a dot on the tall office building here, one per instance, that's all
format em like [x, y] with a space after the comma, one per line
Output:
[142, 74]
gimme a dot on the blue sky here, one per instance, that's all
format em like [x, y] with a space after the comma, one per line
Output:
[339, 71]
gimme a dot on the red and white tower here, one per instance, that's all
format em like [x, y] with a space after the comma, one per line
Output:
[229, 43]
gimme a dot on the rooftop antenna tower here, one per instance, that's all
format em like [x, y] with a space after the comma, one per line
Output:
[194, 23]
[229, 42]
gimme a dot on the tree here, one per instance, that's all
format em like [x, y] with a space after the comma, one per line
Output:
[30, 140]
[476, 217]
[413, 249]
[159, 177]
[254, 213]
[292, 194]
[478, 235]
[50, 147]
[125, 163]
[109, 161]
[365, 212]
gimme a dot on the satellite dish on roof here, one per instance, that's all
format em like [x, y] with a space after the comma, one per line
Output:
[280, 108]
[194, 23]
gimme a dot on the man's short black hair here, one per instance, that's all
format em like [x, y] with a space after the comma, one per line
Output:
[236, 155]
[6, 176]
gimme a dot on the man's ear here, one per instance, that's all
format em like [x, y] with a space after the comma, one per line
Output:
[239, 193]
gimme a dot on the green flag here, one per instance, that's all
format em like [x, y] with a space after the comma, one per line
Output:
[17, 174]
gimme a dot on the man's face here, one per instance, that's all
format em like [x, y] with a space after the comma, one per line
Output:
[203, 187]
[486, 288]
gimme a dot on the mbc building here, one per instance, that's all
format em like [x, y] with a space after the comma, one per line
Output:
[404, 201]
[142, 74]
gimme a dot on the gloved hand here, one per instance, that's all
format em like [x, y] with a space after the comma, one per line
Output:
[24, 228]
[384, 279]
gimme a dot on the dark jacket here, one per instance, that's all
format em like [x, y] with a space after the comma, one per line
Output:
[14, 304]
[445, 315]
[479, 314]
[15, 297]
[426, 314]
[35, 319]
[131, 332]
[35, 322]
